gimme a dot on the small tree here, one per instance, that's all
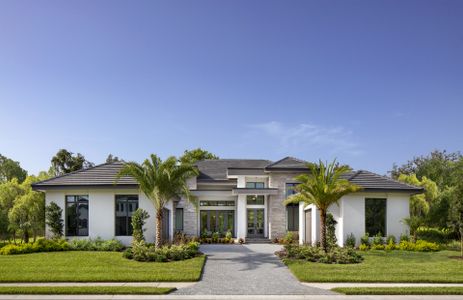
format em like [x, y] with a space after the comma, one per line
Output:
[139, 218]
[456, 214]
[54, 220]
[331, 239]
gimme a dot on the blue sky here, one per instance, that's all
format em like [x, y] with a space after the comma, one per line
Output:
[368, 82]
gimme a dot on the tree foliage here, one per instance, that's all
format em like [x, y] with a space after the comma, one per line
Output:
[10, 169]
[139, 218]
[161, 181]
[192, 156]
[111, 159]
[54, 219]
[66, 162]
[322, 186]
[456, 213]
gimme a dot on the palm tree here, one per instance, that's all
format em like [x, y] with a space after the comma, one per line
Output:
[323, 186]
[161, 181]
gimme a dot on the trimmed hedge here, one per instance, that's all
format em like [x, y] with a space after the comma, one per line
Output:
[40, 245]
[97, 244]
[419, 246]
[140, 251]
[334, 255]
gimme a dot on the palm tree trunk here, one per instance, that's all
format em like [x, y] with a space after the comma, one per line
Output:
[323, 229]
[158, 241]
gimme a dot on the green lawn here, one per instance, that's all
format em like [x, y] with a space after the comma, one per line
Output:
[82, 266]
[381, 266]
[84, 290]
[400, 291]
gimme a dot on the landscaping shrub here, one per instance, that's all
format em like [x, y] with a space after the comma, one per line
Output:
[420, 245]
[54, 220]
[97, 244]
[139, 218]
[404, 237]
[391, 238]
[377, 247]
[435, 235]
[331, 240]
[350, 241]
[377, 240]
[364, 247]
[40, 245]
[335, 255]
[365, 240]
[290, 238]
[391, 245]
[140, 251]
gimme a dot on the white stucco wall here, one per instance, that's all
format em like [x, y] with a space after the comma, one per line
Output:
[101, 211]
[350, 215]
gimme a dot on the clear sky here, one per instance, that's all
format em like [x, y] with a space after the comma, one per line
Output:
[368, 82]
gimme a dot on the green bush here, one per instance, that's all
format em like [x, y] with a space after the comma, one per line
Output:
[404, 237]
[391, 238]
[40, 245]
[335, 255]
[435, 235]
[378, 240]
[350, 241]
[365, 239]
[391, 245]
[420, 245]
[141, 251]
[97, 244]
[364, 247]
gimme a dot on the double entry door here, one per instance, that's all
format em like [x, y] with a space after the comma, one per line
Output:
[255, 222]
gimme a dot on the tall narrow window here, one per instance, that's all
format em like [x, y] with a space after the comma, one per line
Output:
[375, 216]
[126, 205]
[292, 213]
[179, 219]
[76, 215]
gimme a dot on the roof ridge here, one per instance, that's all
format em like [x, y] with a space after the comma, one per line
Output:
[75, 172]
[285, 158]
[392, 179]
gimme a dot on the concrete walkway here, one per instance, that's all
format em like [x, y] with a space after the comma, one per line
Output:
[247, 270]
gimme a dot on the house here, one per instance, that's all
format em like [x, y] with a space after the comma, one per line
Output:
[243, 196]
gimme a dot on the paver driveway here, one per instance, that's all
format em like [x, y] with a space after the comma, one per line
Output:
[246, 269]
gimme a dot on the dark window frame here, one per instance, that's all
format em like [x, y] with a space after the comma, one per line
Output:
[210, 212]
[293, 210]
[254, 185]
[219, 203]
[78, 201]
[375, 218]
[290, 191]
[128, 224]
[177, 209]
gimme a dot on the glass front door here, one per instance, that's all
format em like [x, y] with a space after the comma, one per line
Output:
[255, 222]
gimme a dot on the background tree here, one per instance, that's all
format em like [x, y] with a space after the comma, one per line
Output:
[192, 156]
[9, 192]
[161, 181]
[10, 169]
[323, 186]
[111, 159]
[54, 220]
[66, 162]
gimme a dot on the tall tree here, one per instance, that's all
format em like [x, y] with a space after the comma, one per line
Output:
[161, 181]
[66, 162]
[10, 169]
[192, 156]
[438, 166]
[9, 192]
[456, 214]
[110, 159]
[322, 186]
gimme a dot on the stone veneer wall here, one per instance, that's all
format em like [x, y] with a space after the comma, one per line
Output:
[276, 208]
[190, 217]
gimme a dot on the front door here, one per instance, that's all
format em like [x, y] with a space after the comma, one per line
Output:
[255, 222]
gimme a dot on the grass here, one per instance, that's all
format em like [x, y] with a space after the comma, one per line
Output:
[381, 266]
[400, 291]
[79, 266]
[84, 290]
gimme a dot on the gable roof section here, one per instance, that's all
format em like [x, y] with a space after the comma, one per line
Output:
[288, 163]
[103, 175]
[371, 181]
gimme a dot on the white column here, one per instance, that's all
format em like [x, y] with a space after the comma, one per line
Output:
[241, 217]
[301, 223]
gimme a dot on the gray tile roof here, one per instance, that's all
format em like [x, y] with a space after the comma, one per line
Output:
[288, 163]
[100, 175]
[214, 170]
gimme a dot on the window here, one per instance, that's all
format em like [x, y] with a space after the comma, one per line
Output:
[375, 216]
[292, 215]
[126, 205]
[290, 189]
[179, 219]
[216, 203]
[255, 200]
[255, 185]
[217, 221]
[77, 215]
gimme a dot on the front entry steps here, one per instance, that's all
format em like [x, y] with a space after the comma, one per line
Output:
[258, 241]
